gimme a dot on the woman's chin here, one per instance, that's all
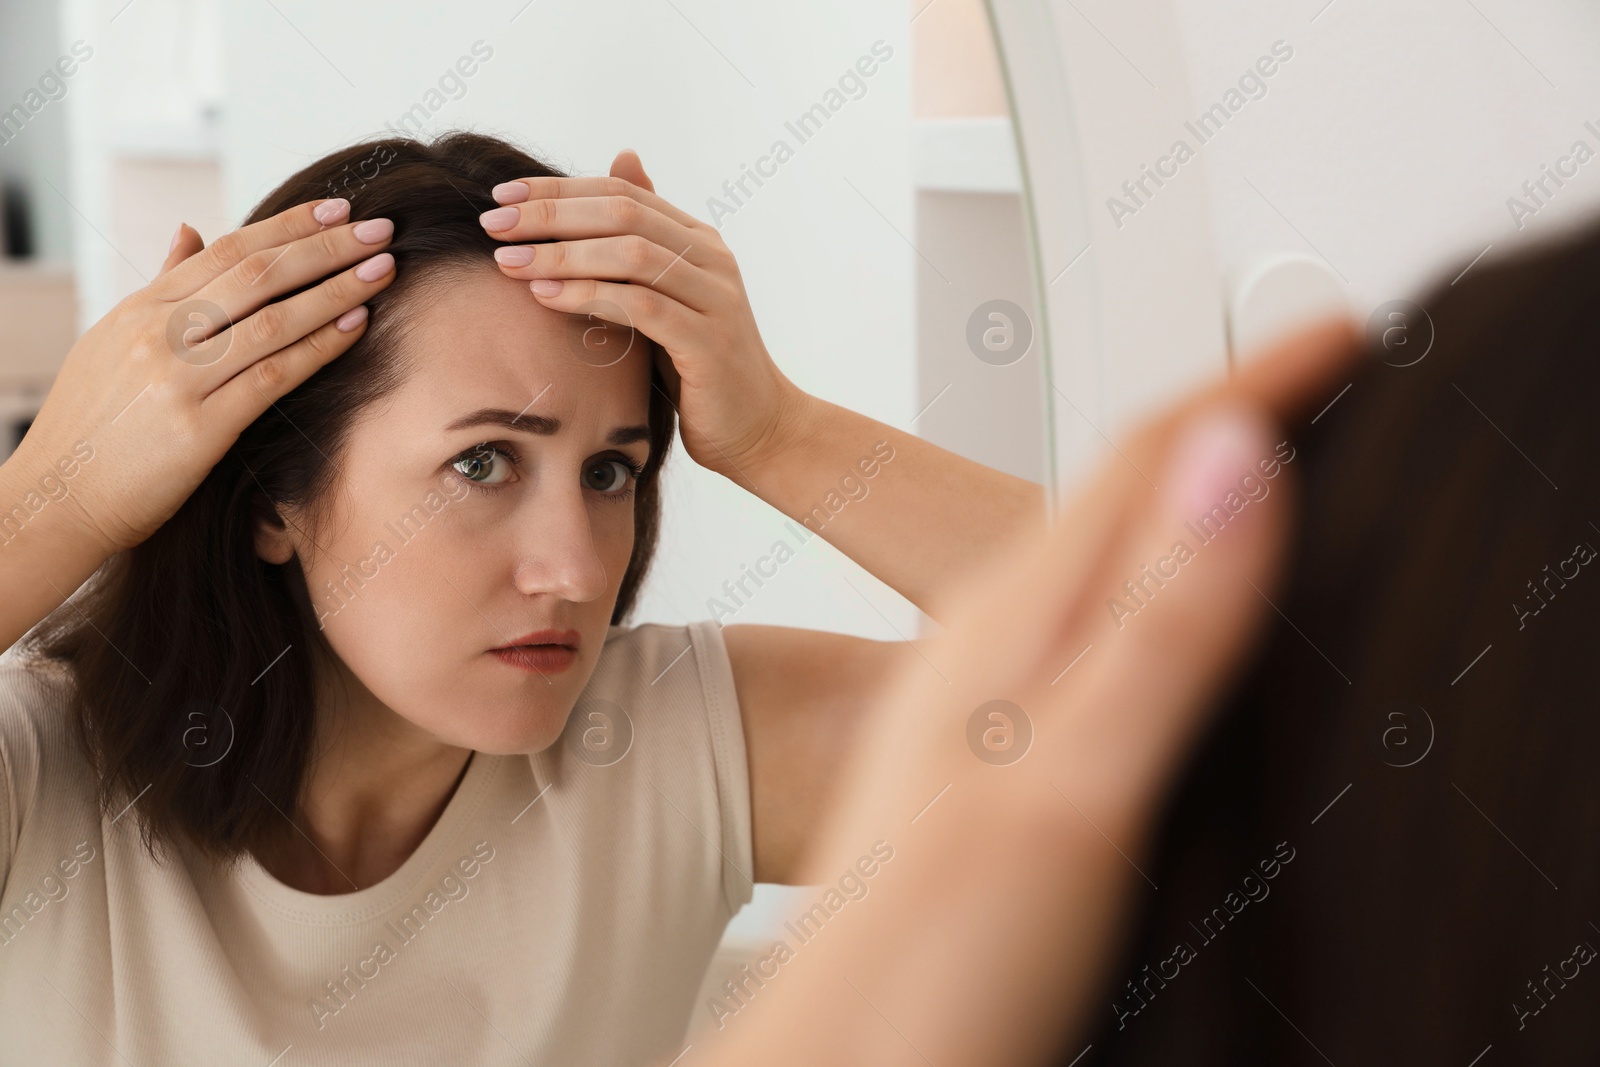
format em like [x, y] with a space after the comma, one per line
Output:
[495, 732]
[524, 741]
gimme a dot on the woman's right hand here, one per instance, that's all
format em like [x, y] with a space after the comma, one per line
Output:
[158, 389]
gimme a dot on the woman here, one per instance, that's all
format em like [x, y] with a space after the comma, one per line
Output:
[299, 774]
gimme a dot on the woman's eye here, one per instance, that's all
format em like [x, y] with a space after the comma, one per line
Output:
[608, 476]
[486, 466]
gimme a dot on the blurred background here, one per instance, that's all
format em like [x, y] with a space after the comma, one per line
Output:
[992, 240]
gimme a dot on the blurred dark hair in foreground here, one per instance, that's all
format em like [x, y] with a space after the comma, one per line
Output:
[1418, 734]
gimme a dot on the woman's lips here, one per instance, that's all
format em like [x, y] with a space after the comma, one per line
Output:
[537, 659]
[570, 638]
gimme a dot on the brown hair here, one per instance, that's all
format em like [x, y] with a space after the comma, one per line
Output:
[1361, 862]
[182, 626]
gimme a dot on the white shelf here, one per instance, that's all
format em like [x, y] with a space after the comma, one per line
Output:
[967, 155]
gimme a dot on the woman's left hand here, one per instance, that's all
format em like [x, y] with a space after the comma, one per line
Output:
[620, 253]
[988, 937]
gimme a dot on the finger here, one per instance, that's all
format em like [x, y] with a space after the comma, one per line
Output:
[242, 398]
[1110, 513]
[1034, 618]
[537, 209]
[636, 307]
[555, 188]
[1150, 523]
[627, 258]
[283, 323]
[259, 278]
[1293, 376]
[1292, 373]
[185, 243]
[1185, 612]
[1301, 370]
[1107, 734]
[629, 167]
[227, 251]
[669, 374]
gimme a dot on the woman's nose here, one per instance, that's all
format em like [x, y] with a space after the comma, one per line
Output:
[557, 551]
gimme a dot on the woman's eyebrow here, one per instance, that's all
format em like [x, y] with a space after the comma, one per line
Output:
[542, 425]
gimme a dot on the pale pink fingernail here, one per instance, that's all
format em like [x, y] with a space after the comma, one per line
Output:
[514, 255]
[372, 231]
[545, 286]
[501, 218]
[351, 319]
[376, 267]
[510, 192]
[1213, 455]
[331, 211]
[175, 235]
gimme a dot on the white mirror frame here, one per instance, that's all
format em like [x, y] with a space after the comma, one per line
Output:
[1131, 305]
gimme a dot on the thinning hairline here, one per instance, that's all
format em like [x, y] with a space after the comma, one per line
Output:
[425, 282]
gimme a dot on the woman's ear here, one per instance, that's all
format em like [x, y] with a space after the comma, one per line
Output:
[274, 539]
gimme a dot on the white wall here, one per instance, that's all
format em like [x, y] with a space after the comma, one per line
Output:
[1393, 138]
[149, 93]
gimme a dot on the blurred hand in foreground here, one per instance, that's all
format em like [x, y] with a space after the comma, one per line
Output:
[983, 934]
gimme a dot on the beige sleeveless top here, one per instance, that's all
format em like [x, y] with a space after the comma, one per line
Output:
[562, 911]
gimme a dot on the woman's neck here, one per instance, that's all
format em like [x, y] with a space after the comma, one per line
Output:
[375, 788]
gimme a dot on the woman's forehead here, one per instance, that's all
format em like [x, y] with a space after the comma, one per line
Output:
[480, 339]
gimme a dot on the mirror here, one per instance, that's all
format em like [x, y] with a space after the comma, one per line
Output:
[858, 160]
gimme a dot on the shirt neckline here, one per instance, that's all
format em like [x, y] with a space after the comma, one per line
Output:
[375, 900]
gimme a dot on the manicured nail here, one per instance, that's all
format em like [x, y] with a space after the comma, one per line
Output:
[545, 286]
[351, 319]
[510, 192]
[501, 218]
[372, 231]
[376, 267]
[514, 255]
[331, 211]
[1213, 454]
[175, 235]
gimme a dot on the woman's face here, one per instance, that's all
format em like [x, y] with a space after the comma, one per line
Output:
[488, 497]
